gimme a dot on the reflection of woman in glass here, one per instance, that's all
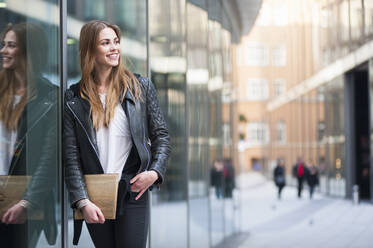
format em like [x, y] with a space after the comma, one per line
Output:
[27, 133]
[12, 92]
[113, 124]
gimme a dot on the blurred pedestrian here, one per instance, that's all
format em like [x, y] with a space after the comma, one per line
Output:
[228, 175]
[279, 176]
[312, 178]
[216, 174]
[364, 185]
[299, 172]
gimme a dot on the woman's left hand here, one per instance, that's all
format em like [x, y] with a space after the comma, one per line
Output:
[141, 182]
[15, 215]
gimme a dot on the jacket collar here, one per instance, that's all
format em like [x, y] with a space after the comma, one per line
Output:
[129, 97]
[76, 90]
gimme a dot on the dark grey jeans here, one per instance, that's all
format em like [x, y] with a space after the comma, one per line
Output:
[129, 229]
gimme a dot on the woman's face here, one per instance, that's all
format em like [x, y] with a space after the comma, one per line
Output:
[108, 48]
[9, 51]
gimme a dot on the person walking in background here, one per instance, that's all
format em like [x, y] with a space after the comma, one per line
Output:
[228, 174]
[217, 177]
[279, 176]
[312, 177]
[299, 172]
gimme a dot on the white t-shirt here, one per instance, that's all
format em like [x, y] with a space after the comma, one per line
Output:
[114, 142]
[7, 141]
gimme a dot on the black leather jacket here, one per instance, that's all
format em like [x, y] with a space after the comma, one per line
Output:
[35, 154]
[147, 126]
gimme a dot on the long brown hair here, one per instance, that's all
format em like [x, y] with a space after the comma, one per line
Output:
[121, 79]
[30, 63]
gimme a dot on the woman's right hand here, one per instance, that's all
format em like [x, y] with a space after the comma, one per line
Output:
[92, 213]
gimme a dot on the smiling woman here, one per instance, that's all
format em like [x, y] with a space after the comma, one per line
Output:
[108, 49]
[9, 50]
[119, 114]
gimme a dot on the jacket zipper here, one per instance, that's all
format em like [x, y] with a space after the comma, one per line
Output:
[147, 152]
[86, 133]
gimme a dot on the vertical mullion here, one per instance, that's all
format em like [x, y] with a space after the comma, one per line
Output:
[187, 123]
[208, 124]
[63, 79]
[148, 72]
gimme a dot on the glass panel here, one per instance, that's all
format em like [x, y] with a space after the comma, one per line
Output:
[231, 224]
[168, 72]
[321, 140]
[334, 113]
[29, 86]
[215, 112]
[197, 81]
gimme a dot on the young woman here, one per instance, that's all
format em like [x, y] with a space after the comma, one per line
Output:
[113, 124]
[28, 130]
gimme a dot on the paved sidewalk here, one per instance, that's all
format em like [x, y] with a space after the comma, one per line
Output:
[293, 223]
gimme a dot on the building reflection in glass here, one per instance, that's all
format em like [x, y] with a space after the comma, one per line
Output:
[198, 126]
[168, 73]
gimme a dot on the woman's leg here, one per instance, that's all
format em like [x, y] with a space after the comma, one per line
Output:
[311, 191]
[20, 235]
[280, 187]
[102, 235]
[131, 227]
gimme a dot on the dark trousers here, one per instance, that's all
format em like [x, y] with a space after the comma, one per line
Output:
[300, 186]
[312, 189]
[280, 187]
[219, 191]
[129, 229]
[20, 235]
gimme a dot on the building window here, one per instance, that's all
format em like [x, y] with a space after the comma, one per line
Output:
[368, 6]
[227, 134]
[257, 89]
[270, 14]
[280, 132]
[279, 86]
[256, 55]
[344, 21]
[320, 130]
[264, 16]
[227, 92]
[356, 13]
[279, 56]
[257, 133]
[280, 16]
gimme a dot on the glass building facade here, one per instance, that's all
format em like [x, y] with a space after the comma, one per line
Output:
[185, 48]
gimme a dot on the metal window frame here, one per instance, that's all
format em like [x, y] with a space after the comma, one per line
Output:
[63, 83]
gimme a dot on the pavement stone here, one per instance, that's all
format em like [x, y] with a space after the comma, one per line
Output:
[323, 222]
